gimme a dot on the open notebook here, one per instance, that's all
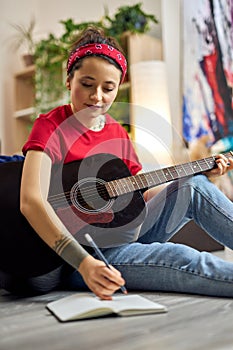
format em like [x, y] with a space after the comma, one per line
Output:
[83, 305]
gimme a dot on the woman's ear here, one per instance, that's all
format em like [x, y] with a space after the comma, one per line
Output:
[68, 83]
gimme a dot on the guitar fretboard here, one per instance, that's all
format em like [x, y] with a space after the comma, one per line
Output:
[157, 177]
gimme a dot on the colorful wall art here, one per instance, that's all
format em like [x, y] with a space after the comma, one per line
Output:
[207, 69]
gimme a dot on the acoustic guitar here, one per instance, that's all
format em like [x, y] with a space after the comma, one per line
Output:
[97, 195]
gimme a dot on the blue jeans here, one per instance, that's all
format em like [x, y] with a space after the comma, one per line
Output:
[153, 264]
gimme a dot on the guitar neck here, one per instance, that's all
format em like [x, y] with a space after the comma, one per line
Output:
[157, 177]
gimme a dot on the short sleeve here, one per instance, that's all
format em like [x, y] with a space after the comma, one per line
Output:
[43, 137]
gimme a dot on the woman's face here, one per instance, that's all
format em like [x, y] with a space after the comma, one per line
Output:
[94, 86]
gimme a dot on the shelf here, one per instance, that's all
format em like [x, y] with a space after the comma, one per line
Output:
[26, 73]
[25, 90]
[25, 113]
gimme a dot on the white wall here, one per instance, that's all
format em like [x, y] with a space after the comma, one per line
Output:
[48, 13]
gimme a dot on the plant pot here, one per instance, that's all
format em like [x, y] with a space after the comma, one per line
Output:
[28, 59]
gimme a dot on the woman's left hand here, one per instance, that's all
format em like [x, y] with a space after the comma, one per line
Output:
[223, 163]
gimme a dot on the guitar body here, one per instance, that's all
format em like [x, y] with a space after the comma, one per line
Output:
[79, 197]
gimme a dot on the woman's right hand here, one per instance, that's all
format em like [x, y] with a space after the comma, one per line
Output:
[99, 278]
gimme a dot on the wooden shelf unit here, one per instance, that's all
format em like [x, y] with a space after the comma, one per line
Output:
[24, 105]
[24, 89]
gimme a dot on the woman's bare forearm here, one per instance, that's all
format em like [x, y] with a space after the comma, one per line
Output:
[40, 214]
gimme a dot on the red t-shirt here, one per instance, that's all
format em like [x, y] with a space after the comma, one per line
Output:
[65, 139]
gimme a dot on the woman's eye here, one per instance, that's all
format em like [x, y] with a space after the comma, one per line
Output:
[108, 89]
[86, 85]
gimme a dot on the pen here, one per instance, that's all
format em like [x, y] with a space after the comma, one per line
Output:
[101, 256]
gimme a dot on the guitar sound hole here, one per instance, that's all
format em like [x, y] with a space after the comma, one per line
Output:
[89, 195]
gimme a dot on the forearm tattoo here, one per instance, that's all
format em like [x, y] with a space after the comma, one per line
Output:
[70, 250]
[61, 243]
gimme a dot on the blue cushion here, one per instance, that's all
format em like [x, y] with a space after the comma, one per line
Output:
[14, 158]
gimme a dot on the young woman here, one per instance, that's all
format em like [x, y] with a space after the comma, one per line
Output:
[82, 130]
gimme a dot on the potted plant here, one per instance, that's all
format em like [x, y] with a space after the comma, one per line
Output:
[129, 19]
[24, 38]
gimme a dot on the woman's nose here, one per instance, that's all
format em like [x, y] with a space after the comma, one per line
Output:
[96, 95]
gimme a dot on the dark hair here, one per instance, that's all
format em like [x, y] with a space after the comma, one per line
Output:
[92, 35]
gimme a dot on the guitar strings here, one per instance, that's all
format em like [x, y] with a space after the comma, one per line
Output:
[172, 169]
[88, 192]
[142, 177]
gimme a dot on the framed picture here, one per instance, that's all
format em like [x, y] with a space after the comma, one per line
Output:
[207, 69]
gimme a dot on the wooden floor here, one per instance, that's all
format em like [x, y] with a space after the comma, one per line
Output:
[192, 322]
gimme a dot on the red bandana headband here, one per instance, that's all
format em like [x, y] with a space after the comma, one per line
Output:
[98, 49]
